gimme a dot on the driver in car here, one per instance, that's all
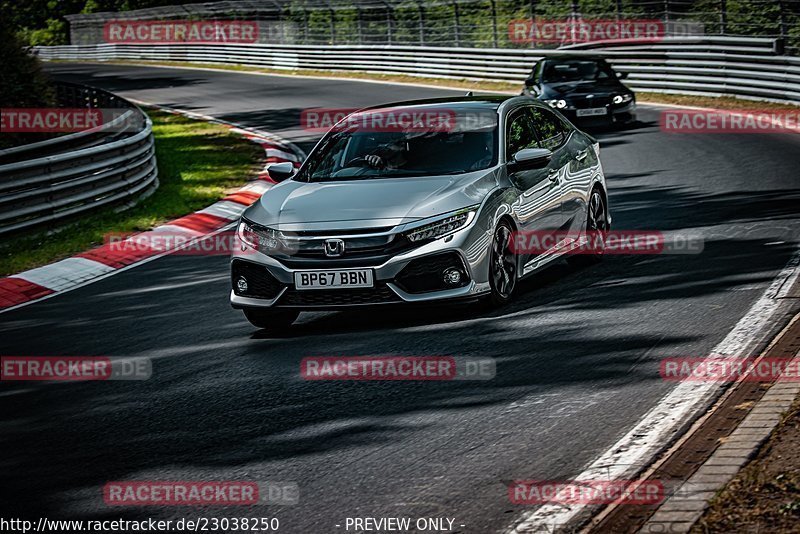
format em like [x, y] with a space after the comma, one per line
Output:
[389, 156]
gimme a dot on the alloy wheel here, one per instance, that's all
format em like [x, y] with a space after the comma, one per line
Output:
[502, 264]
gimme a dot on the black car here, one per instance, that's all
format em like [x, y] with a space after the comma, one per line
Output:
[584, 89]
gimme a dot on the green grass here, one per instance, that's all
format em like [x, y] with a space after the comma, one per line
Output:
[198, 163]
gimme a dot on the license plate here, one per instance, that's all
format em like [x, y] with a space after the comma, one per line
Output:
[340, 278]
[591, 112]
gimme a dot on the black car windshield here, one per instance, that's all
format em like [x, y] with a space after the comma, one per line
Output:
[576, 70]
[357, 150]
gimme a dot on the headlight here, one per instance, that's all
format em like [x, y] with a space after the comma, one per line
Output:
[445, 225]
[619, 99]
[557, 103]
[262, 239]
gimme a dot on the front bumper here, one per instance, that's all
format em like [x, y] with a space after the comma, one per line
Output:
[275, 280]
[614, 115]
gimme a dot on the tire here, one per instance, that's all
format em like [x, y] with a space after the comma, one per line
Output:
[596, 228]
[502, 265]
[271, 319]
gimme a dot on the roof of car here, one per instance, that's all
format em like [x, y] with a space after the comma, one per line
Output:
[575, 56]
[455, 102]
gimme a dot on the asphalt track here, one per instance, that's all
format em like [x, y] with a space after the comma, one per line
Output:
[577, 352]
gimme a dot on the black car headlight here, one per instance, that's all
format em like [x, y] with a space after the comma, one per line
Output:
[262, 239]
[443, 225]
[622, 99]
[560, 104]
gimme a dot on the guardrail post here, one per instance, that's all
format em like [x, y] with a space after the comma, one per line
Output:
[388, 23]
[421, 23]
[358, 21]
[574, 17]
[723, 16]
[494, 23]
[332, 23]
[305, 25]
[456, 23]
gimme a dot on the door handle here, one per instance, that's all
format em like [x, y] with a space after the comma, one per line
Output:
[581, 155]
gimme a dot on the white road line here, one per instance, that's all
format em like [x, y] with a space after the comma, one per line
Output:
[259, 187]
[670, 416]
[225, 209]
[65, 273]
[275, 153]
[113, 271]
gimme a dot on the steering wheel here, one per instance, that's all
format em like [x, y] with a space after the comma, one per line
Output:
[355, 162]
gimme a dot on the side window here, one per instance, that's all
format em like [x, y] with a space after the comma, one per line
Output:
[520, 134]
[552, 132]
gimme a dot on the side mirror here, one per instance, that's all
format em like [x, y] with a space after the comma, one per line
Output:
[622, 75]
[281, 171]
[531, 81]
[530, 158]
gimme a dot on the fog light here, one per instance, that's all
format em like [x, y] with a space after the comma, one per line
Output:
[241, 284]
[452, 277]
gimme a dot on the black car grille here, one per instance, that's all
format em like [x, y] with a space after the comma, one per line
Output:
[260, 283]
[425, 274]
[381, 294]
[581, 102]
[358, 252]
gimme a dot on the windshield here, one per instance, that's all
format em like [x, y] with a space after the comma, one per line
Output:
[362, 153]
[575, 70]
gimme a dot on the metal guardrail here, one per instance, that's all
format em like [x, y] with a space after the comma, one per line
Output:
[709, 66]
[51, 181]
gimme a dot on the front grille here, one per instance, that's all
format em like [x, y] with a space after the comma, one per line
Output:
[425, 274]
[260, 283]
[380, 294]
[358, 252]
[356, 247]
[596, 102]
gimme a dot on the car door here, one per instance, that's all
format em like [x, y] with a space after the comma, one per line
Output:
[538, 206]
[578, 176]
[568, 166]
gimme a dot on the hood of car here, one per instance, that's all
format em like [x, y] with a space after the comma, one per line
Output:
[372, 203]
[566, 90]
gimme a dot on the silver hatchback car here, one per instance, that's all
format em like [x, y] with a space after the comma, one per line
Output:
[417, 202]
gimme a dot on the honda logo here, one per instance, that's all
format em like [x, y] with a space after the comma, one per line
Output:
[334, 247]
